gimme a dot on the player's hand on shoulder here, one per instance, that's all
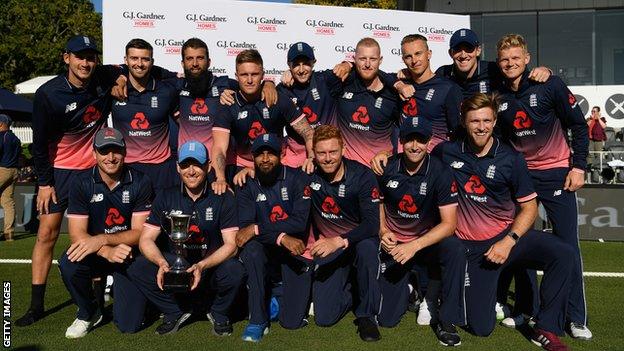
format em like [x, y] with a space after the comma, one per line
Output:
[405, 91]
[120, 90]
[308, 165]
[241, 177]
[342, 70]
[269, 93]
[379, 162]
[287, 78]
[540, 74]
[219, 186]
[227, 97]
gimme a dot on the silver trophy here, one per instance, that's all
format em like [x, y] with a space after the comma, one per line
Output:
[178, 279]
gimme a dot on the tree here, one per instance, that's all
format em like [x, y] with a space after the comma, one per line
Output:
[377, 4]
[33, 34]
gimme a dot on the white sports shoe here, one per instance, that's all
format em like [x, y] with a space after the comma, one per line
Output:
[502, 311]
[580, 331]
[80, 328]
[514, 322]
[427, 313]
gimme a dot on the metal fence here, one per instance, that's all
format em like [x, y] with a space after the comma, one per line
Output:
[607, 167]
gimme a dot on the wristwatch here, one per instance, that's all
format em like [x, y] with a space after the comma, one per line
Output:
[514, 236]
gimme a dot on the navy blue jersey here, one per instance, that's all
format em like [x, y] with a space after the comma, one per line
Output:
[367, 119]
[211, 214]
[65, 120]
[245, 121]
[486, 79]
[348, 208]
[489, 187]
[438, 99]
[316, 101]
[411, 202]
[197, 114]
[109, 211]
[281, 208]
[536, 118]
[10, 149]
[143, 119]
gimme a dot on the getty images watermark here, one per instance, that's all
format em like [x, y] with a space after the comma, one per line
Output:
[6, 314]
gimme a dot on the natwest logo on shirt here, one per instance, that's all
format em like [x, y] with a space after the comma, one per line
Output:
[91, 115]
[277, 214]
[204, 21]
[522, 122]
[380, 30]
[169, 46]
[475, 187]
[322, 27]
[410, 108]
[195, 236]
[113, 221]
[407, 207]
[330, 208]
[139, 124]
[143, 19]
[310, 115]
[264, 24]
[199, 109]
[256, 130]
[361, 119]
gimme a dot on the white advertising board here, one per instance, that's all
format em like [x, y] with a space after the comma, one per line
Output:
[231, 26]
[610, 99]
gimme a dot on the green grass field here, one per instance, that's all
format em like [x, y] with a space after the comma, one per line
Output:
[603, 298]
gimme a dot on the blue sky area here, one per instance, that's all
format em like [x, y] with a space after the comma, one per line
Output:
[98, 3]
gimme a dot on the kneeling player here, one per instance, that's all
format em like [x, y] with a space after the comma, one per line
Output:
[210, 248]
[418, 218]
[274, 212]
[492, 179]
[107, 209]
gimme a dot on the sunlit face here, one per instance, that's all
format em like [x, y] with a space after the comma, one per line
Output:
[266, 160]
[249, 76]
[328, 155]
[195, 61]
[513, 61]
[416, 56]
[480, 125]
[81, 65]
[192, 173]
[110, 160]
[415, 147]
[139, 62]
[301, 69]
[367, 61]
[465, 57]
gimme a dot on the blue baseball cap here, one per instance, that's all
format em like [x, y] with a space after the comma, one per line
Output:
[270, 141]
[464, 35]
[415, 125]
[5, 119]
[81, 43]
[193, 150]
[300, 49]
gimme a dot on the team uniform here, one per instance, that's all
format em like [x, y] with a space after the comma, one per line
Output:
[143, 119]
[211, 215]
[489, 188]
[109, 211]
[282, 208]
[245, 121]
[367, 119]
[486, 79]
[348, 208]
[411, 206]
[65, 120]
[315, 99]
[535, 120]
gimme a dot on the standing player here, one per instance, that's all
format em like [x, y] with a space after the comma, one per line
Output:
[250, 117]
[536, 118]
[345, 219]
[10, 150]
[273, 217]
[367, 110]
[143, 118]
[210, 249]
[492, 179]
[107, 209]
[418, 219]
[67, 113]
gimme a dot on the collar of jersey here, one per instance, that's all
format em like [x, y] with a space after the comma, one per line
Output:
[204, 192]
[422, 171]
[126, 176]
[466, 149]
[151, 85]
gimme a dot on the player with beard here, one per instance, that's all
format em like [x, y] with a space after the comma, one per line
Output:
[67, 113]
[273, 217]
[143, 118]
[535, 119]
[418, 219]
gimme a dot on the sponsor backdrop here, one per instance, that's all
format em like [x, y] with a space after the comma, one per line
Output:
[229, 27]
[610, 99]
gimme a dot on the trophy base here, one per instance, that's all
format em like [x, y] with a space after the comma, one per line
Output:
[177, 281]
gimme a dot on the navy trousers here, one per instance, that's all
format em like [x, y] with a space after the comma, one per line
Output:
[536, 250]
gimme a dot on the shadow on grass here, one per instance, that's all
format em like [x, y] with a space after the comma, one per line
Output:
[58, 307]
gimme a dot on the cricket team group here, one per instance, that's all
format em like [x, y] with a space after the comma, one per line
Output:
[334, 191]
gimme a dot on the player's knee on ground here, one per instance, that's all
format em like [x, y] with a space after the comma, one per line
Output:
[367, 252]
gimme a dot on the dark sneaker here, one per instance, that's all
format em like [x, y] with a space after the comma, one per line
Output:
[548, 341]
[172, 326]
[220, 328]
[447, 334]
[367, 329]
[30, 317]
